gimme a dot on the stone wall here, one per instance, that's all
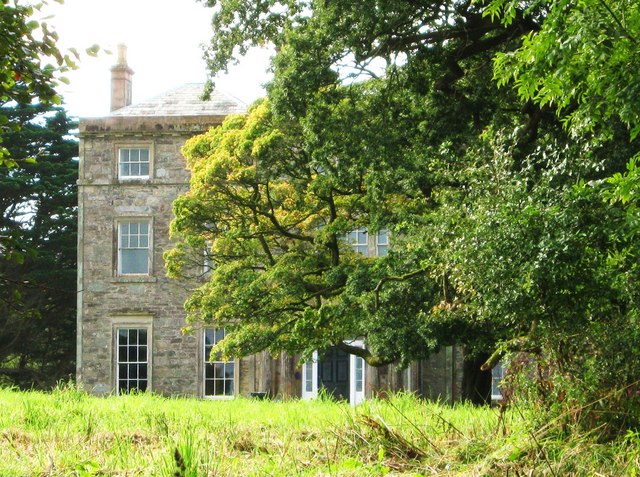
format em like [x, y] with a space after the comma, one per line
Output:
[107, 300]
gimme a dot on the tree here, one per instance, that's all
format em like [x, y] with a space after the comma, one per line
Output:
[578, 63]
[30, 63]
[502, 239]
[273, 212]
[38, 202]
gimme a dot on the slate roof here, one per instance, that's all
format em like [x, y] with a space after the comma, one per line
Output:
[185, 101]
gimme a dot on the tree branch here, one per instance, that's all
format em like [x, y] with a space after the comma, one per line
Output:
[396, 278]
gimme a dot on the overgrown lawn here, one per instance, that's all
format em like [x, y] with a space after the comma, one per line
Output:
[68, 433]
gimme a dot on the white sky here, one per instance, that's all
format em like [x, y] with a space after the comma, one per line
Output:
[163, 39]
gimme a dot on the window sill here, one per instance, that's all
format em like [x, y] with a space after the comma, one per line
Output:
[134, 279]
[134, 180]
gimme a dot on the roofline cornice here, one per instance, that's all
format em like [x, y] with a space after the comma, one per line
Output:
[116, 125]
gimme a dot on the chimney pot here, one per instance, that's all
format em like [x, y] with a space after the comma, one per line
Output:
[122, 54]
[121, 79]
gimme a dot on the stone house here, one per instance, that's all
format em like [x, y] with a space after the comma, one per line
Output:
[130, 316]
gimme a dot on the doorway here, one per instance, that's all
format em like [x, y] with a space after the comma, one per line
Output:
[340, 374]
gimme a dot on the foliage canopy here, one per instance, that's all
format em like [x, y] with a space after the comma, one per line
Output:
[512, 211]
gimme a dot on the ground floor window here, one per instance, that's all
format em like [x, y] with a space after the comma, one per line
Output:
[497, 375]
[219, 376]
[132, 366]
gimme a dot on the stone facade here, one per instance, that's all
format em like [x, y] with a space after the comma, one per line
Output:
[111, 302]
[108, 300]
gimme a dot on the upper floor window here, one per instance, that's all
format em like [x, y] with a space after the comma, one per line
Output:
[207, 265]
[219, 376]
[133, 248]
[358, 239]
[133, 162]
[382, 242]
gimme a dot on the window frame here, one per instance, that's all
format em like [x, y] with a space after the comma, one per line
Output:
[141, 322]
[358, 246]
[119, 246]
[498, 373]
[371, 244]
[206, 364]
[208, 264]
[131, 146]
[379, 244]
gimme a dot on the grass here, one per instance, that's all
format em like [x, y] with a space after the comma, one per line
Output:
[68, 433]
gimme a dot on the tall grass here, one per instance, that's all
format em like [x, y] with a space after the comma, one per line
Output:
[68, 433]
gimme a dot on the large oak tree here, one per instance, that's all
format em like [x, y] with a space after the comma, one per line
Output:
[502, 237]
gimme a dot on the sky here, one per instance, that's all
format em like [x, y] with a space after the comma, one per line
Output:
[163, 39]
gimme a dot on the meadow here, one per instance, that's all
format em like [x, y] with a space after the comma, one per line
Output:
[69, 433]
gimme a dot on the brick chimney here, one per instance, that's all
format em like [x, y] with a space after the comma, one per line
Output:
[121, 76]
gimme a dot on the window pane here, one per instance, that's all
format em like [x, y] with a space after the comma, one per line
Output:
[219, 370]
[142, 354]
[134, 261]
[208, 388]
[208, 371]
[228, 370]
[359, 370]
